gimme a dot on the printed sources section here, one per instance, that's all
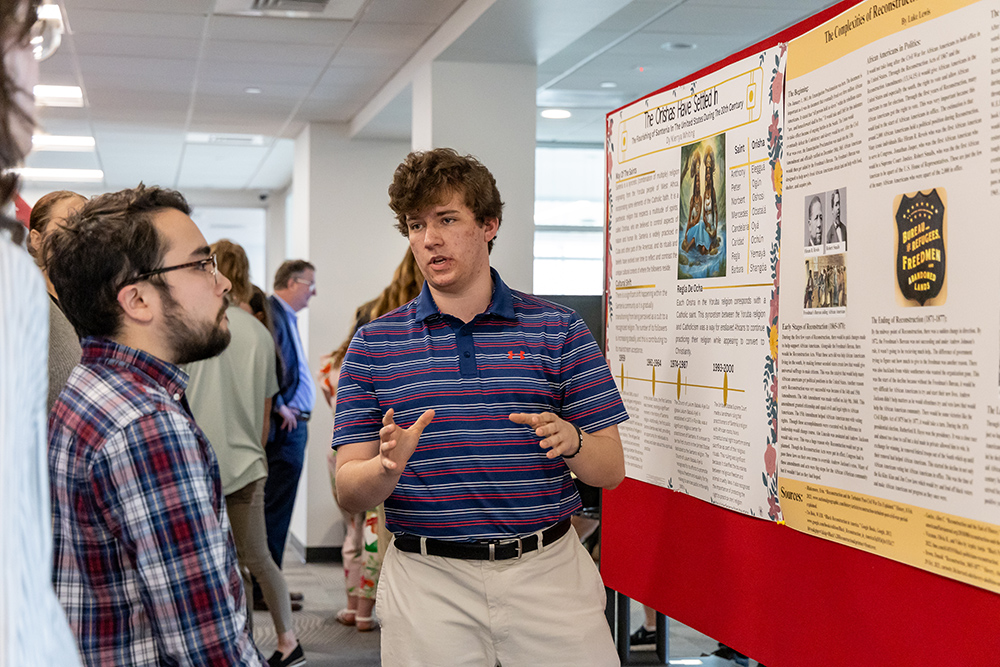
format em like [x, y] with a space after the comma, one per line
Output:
[961, 548]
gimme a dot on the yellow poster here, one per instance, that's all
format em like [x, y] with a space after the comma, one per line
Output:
[889, 346]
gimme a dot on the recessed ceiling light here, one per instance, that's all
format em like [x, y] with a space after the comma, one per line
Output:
[52, 142]
[61, 175]
[252, 90]
[608, 84]
[556, 114]
[58, 96]
[678, 46]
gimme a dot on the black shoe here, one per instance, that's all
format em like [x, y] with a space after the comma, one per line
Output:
[727, 653]
[296, 596]
[294, 659]
[642, 637]
[260, 605]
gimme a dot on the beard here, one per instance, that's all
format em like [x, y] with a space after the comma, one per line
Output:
[194, 342]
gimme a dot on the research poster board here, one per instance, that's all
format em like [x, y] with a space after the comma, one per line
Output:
[693, 212]
[889, 418]
[849, 391]
[791, 595]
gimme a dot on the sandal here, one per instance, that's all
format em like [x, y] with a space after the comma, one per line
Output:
[366, 623]
[346, 617]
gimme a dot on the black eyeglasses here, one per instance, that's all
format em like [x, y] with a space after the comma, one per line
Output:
[209, 265]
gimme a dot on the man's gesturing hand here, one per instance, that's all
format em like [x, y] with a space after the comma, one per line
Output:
[397, 444]
[558, 435]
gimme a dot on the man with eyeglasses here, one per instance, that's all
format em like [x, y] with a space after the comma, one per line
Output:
[294, 285]
[144, 562]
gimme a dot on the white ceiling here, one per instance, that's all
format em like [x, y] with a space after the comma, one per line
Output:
[153, 71]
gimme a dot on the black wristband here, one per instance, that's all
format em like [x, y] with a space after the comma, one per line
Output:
[579, 434]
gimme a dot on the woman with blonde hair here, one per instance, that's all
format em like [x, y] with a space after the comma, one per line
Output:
[366, 537]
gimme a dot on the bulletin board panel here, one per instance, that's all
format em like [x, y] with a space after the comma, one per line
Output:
[785, 598]
[781, 596]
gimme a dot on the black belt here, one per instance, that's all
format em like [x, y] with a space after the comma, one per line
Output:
[492, 550]
[303, 416]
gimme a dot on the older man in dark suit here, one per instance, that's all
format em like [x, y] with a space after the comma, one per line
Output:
[294, 285]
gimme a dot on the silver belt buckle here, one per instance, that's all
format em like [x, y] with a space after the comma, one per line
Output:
[517, 541]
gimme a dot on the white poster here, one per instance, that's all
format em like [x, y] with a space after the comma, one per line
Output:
[694, 203]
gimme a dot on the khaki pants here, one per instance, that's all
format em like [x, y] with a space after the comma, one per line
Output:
[545, 608]
[246, 515]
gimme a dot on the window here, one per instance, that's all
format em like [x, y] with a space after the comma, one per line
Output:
[569, 220]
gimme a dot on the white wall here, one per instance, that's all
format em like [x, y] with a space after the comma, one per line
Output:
[342, 216]
[488, 110]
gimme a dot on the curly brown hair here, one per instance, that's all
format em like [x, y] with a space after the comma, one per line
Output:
[428, 178]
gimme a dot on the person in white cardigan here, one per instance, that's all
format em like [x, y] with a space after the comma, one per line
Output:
[33, 628]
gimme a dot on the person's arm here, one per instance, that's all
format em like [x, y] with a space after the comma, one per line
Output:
[267, 421]
[599, 461]
[156, 494]
[367, 472]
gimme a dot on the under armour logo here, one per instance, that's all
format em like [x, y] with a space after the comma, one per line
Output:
[510, 355]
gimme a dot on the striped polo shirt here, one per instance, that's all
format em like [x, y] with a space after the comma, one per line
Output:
[476, 475]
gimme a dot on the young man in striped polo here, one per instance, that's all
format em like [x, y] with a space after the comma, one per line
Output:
[465, 411]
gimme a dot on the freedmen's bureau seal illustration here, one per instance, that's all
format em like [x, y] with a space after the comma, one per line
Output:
[920, 246]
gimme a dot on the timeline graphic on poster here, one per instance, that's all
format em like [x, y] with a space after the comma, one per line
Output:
[694, 200]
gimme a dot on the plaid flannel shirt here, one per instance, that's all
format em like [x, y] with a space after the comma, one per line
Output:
[145, 565]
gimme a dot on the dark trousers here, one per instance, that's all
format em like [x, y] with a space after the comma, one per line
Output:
[285, 454]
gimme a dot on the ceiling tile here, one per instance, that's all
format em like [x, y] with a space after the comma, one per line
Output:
[327, 111]
[157, 6]
[131, 23]
[722, 20]
[259, 73]
[122, 170]
[335, 77]
[79, 125]
[59, 70]
[60, 160]
[242, 51]
[389, 36]
[275, 170]
[219, 166]
[139, 73]
[283, 31]
[128, 46]
[236, 88]
[361, 57]
[410, 11]
[236, 123]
